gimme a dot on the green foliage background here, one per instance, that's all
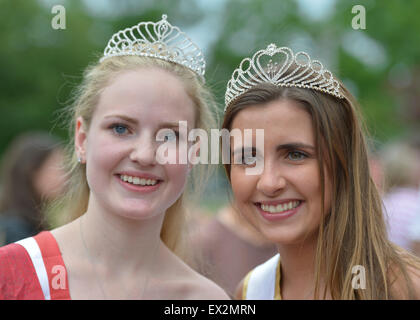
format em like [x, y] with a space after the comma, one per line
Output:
[39, 66]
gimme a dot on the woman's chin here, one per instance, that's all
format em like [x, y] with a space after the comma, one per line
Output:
[137, 212]
[283, 237]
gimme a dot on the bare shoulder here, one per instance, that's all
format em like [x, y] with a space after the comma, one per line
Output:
[414, 274]
[187, 284]
[66, 231]
[64, 236]
[399, 287]
[200, 288]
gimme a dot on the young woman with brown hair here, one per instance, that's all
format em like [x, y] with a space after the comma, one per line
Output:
[314, 197]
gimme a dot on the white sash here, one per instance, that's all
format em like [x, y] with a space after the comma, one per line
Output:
[31, 246]
[262, 281]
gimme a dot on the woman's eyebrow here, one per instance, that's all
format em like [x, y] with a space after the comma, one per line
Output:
[294, 145]
[133, 120]
[169, 125]
[128, 119]
[287, 146]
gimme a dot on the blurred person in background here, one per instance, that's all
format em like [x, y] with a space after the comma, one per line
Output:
[30, 174]
[230, 246]
[401, 163]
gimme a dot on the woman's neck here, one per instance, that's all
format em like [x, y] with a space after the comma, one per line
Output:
[298, 270]
[119, 242]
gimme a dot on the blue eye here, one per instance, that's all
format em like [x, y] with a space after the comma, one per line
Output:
[171, 136]
[119, 129]
[296, 155]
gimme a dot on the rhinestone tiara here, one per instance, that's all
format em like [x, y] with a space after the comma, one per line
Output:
[288, 70]
[157, 40]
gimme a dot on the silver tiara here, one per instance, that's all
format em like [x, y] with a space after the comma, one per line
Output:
[158, 40]
[288, 70]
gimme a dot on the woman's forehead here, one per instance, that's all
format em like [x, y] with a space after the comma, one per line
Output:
[279, 119]
[137, 95]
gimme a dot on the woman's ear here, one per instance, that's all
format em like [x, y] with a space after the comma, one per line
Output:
[80, 139]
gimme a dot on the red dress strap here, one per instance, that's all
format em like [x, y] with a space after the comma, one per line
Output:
[54, 265]
[33, 269]
[18, 278]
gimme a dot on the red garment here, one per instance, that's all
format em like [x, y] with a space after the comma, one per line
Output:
[33, 269]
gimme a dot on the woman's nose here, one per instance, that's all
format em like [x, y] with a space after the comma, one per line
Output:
[271, 180]
[144, 151]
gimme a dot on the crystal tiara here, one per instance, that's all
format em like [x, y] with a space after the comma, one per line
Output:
[157, 40]
[288, 70]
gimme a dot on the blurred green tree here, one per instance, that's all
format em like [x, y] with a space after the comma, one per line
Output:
[40, 66]
[377, 63]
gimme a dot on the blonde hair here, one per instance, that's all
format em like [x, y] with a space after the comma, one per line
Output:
[75, 202]
[354, 232]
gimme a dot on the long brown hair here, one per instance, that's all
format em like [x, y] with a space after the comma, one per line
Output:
[354, 232]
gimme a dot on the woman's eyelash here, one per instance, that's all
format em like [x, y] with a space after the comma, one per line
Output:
[302, 155]
[245, 158]
[176, 133]
[122, 129]
[116, 128]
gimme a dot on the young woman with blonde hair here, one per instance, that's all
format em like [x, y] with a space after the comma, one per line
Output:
[125, 200]
[314, 197]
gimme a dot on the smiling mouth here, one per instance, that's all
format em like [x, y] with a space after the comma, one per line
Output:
[139, 181]
[279, 208]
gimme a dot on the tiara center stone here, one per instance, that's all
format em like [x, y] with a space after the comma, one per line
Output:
[271, 49]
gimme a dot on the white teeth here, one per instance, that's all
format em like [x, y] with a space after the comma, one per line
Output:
[138, 181]
[280, 208]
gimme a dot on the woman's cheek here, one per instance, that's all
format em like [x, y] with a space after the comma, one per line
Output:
[239, 184]
[178, 173]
